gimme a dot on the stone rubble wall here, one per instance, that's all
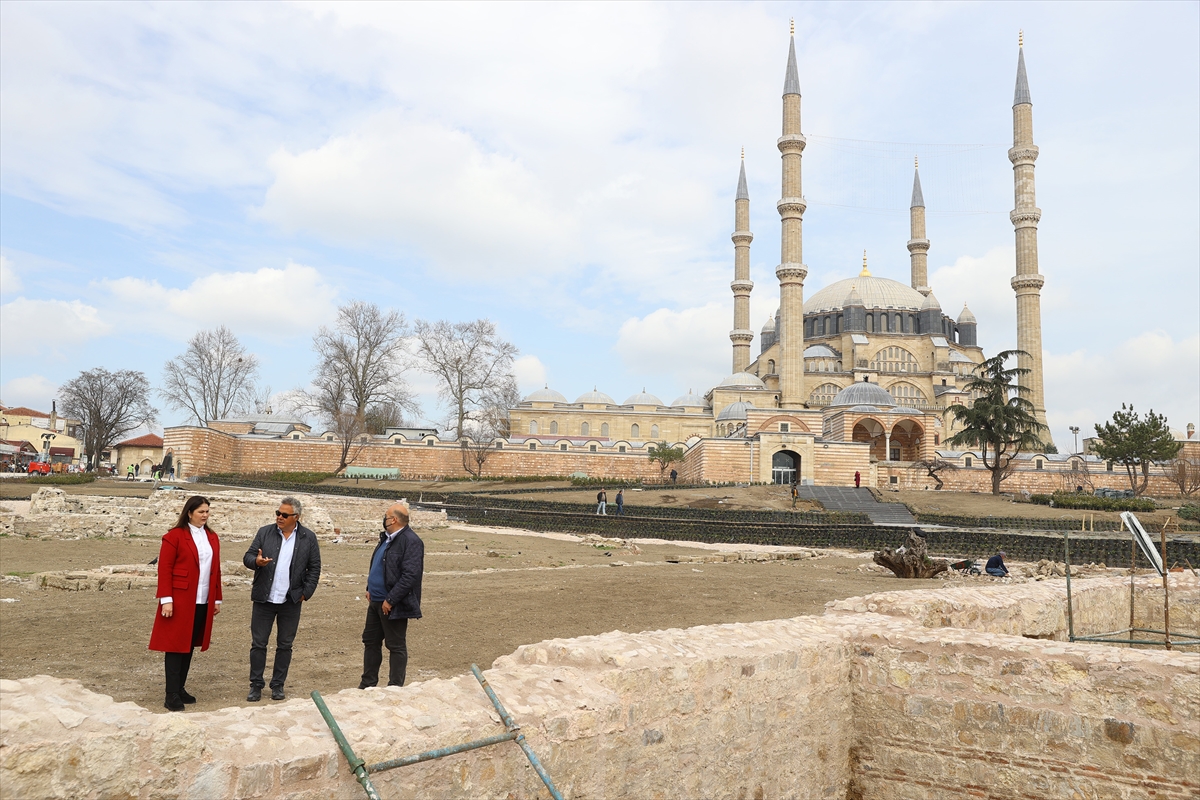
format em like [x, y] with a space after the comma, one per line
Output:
[853, 704]
[53, 513]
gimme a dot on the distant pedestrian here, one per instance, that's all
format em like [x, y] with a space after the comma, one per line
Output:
[795, 494]
[137, 470]
[995, 566]
[620, 502]
[393, 597]
[129, 472]
[602, 503]
[287, 567]
[857, 479]
[674, 477]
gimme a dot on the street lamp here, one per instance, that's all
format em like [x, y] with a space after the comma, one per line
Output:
[1075, 430]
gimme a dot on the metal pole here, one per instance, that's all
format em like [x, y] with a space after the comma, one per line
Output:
[429, 755]
[1070, 610]
[356, 763]
[1132, 567]
[1166, 592]
[514, 727]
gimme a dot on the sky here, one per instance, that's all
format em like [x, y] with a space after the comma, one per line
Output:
[568, 171]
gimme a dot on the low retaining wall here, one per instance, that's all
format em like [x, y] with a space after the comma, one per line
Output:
[848, 705]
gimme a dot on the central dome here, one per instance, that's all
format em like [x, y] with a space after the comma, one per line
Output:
[875, 293]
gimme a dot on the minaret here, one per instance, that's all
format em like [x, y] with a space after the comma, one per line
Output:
[1028, 281]
[741, 335]
[791, 270]
[918, 245]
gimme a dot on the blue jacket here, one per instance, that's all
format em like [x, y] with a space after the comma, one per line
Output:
[403, 565]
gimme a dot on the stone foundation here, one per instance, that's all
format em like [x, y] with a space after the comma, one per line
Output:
[879, 698]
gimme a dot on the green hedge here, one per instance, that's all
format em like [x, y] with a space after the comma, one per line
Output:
[66, 479]
[276, 477]
[1189, 511]
[1091, 502]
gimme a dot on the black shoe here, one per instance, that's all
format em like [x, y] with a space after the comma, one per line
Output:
[174, 702]
[254, 696]
[277, 694]
[187, 698]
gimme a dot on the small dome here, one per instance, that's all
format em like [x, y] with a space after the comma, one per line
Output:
[742, 380]
[864, 394]
[905, 410]
[734, 411]
[819, 351]
[545, 395]
[642, 399]
[769, 325]
[966, 317]
[595, 397]
[930, 302]
[690, 400]
[854, 298]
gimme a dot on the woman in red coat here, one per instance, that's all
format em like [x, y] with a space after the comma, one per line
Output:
[189, 596]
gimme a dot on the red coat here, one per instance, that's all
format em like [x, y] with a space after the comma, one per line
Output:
[178, 578]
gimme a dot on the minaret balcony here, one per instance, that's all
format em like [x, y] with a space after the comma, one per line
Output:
[791, 207]
[792, 143]
[791, 272]
[741, 336]
[918, 245]
[741, 287]
[742, 237]
[1025, 154]
[1025, 217]
[1027, 283]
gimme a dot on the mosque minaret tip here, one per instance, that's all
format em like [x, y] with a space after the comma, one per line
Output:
[791, 270]
[918, 245]
[1028, 281]
[741, 335]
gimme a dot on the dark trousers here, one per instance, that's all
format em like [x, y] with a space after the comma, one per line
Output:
[620, 509]
[380, 630]
[285, 617]
[178, 664]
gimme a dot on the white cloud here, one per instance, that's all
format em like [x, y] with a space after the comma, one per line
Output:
[10, 281]
[683, 347]
[269, 302]
[530, 372]
[31, 391]
[983, 283]
[34, 327]
[1150, 370]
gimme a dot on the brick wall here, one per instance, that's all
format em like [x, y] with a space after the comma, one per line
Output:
[1054, 478]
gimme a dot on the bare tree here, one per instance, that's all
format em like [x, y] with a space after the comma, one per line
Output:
[932, 467]
[109, 406]
[473, 364]
[362, 359]
[479, 435]
[1185, 474]
[212, 377]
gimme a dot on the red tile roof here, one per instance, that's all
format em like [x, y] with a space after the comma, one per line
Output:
[149, 440]
[21, 411]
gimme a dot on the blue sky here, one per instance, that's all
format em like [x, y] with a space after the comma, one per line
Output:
[568, 171]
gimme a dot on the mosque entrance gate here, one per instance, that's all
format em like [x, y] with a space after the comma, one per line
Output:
[785, 468]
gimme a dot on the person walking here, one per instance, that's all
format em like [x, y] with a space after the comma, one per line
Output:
[602, 503]
[393, 597]
[674, 476]
[189, 596]
[857, 479]
[620, 502]
[129, 472]
[287, 566]
[795, 494]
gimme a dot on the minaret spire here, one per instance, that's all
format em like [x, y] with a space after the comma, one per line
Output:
[918, 245]
[741, 335]
[1025, 217]
[791, 270]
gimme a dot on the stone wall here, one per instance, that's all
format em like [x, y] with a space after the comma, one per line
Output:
[850, 705]
[1054, 478]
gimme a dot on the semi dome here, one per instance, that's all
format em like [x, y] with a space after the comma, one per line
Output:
[864, 394]
[690, 400]
[545, 395]
[742, 380]
[734, 411]
[642, 399]
[595, 397]
[874, 293]
[819, 351]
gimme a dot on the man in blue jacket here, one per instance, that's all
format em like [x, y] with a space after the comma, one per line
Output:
[393, 597]
[287, 566]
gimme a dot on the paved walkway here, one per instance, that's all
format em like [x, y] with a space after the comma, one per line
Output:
[837, 498]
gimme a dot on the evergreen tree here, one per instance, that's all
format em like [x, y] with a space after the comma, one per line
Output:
[1136, 443]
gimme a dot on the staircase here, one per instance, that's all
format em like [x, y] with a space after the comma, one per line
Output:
[837, 498]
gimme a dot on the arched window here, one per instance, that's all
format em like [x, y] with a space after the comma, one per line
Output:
[634, 431]
[839, 367]
[894, 359]
[771, 366]
[533, 427]
[823, 395]
[870, 323]
[896, 325]
[828, 325]
[837, 324]
[906, 394]
[583, 429]
[1039, 464]
[653, 431]
[916, 324]
[967, 462]
[820, 323]
[883, 323]
[554, 426]
[604, 429]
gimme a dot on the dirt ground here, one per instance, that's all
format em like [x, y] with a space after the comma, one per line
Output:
[538, 588]
[743, 498]
[983, 505]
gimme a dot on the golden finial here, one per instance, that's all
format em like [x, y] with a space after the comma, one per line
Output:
[793, 26]
[916, 162]
[743, 154]
[1020, 38]
[866, 273]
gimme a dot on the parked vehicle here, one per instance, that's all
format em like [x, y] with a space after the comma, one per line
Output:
[39, 466]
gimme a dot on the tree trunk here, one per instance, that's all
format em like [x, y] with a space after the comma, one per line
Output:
[913, 562]
[997, 477]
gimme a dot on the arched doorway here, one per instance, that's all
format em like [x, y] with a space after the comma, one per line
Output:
[785, 468]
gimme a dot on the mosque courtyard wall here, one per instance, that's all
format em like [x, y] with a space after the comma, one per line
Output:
[922, 694]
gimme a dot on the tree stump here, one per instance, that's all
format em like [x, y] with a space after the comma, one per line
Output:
[910, 561]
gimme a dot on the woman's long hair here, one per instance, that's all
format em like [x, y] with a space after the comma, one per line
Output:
[193, 502]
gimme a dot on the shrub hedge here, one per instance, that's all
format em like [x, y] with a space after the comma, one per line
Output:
[1092, 503]
[66, 479]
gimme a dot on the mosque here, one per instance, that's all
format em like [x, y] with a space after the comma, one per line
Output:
[863, 371]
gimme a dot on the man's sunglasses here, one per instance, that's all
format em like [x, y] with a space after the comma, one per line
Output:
[285, 516]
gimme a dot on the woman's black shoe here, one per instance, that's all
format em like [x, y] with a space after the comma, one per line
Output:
[174, 702]
[187, 698]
